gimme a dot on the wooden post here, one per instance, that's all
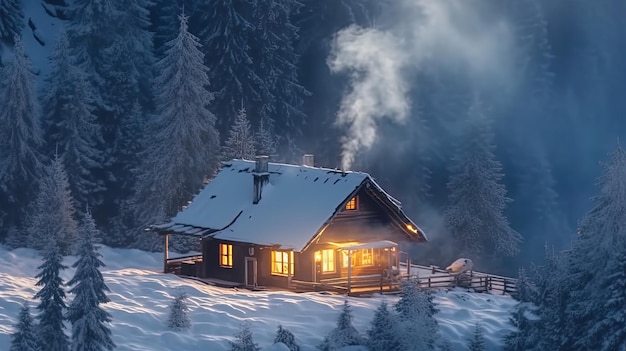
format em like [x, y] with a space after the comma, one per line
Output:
[289, 269]
[349, 270]
[408, 265]
[165, 251]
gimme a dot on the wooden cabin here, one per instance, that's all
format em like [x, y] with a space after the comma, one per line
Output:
[265, 224]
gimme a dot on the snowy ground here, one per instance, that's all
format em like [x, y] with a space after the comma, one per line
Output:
[141, 295]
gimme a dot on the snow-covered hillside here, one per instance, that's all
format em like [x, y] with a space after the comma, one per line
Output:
[141, 296]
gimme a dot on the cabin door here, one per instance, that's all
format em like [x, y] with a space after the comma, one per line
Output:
[251, 271]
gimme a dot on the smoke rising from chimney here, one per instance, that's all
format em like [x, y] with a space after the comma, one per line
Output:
[411, 35]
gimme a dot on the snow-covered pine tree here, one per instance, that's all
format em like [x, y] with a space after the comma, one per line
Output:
[127, 76]
[11, 20]
[89, 329]
[344, 334]
[286, 337]
[20, 138]
[183, 145]
[25, 337]
[240, 142]
[275, 61]
[609, 330]
[52, 216]
[226, 47]
[477, 341]
[90, 30]
[51, 329]
[596, 263]
[417, 326]
[70, 126]
[244, 340]
[265, 141]
[477, 199]
[522, 317]
[383, 333]
[178, 319]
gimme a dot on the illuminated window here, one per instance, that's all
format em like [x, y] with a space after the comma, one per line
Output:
[351, 205]
[364, 257]
[226, 255]
[280, 262]
[328, 260]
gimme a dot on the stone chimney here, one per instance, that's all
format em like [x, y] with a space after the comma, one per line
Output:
[308, 160]
[261, 177]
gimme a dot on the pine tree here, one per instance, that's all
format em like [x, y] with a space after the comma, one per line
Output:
[183, 144]
[597, 251]
[20, 138]
[244, 340]
[52, 300]
[286, 337]
[417, 326]
[477, 200]
[265, 142]
[178, 318]
[227, 50]
[25, 337]
[275, 61]
[89, 330]
[383, 334]
[11, 20]
[121, 94]
[52, 216]
[70, 126]
[240, 142]
[344, 334]
[477, 342]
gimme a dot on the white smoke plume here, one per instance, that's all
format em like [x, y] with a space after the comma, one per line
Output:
[411, 35]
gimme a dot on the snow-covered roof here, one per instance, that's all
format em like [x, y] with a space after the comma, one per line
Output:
[371, 245]
[295, 204]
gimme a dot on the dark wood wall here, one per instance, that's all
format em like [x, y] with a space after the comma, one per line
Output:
[370, 222]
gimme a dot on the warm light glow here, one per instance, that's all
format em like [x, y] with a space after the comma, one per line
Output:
[327, 257]
[226, 255]
[411, 228]
[281, 261]
[351, 205]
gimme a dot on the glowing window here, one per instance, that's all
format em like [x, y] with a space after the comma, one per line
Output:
[280, 262]
[364, 257]
[351, 205]
[328, 260]
[226, 255]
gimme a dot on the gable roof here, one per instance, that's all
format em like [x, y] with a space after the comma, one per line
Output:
[296, 203]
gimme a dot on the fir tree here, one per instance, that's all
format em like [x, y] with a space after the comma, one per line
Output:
[178, 318]
[597, 251]
[240, 142]
[20, 138]
[183, 144]
[227, 50]
[265, 142]
[11, 20]
[344, 334]
[52, 216]
[70, 126]
[383, 334]
[286, 337]
[522, 318]
[477, 342]
[417, 325]
[25, 337]
[52, 300]
[244, 340]
[477, 200]
[275, 61]
[89, 330]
